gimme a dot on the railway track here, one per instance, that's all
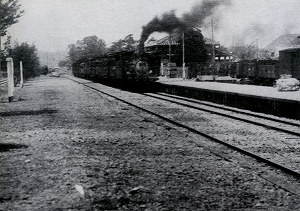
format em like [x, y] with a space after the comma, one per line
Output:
[3, 82]
[286, 126]
[118, 95]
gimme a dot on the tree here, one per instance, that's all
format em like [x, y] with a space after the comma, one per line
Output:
[73, 53]
[7, 48]
[63, 63]
[10, 13]
[92, 46]
[127, 44]
[28, 55]
[245, 52]
[89, 47]
[195, 51]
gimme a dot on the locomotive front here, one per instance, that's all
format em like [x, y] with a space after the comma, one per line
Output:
[143, 72]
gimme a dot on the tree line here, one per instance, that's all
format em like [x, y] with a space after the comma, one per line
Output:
[10, 12]
[92, 46]
[25, 53]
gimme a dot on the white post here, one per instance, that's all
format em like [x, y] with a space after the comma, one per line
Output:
[10, 78]
[213, 42]
[21, 74]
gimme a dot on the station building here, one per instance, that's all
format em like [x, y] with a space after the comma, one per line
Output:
[165, 50]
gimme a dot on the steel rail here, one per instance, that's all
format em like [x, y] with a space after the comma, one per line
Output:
[240, 150]
[231, 109]
[228, 116]
[3, 81]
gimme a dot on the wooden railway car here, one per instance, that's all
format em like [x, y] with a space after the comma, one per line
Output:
[258, 72]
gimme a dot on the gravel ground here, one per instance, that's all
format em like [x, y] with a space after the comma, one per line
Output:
[263, 141]
[66, 147]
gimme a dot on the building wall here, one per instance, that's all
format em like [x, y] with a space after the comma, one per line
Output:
[290, 62]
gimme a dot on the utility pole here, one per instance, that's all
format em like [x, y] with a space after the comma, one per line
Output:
[213, 42]
[184, 74]
[170, 49]
[257, 49]
[213, 49]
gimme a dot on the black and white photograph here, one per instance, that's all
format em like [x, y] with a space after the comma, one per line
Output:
[150, 105]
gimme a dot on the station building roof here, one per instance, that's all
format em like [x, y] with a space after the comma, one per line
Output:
[173, 39]
[285, 41]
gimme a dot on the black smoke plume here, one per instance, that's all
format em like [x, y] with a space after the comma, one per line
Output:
[169, 22]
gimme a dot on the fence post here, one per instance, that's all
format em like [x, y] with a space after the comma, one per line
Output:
[21, 74]
[10, 78]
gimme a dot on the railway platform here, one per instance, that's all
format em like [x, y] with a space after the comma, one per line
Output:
[254, 98]
[65, 146]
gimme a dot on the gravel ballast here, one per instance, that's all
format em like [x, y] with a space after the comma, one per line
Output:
[66, 147]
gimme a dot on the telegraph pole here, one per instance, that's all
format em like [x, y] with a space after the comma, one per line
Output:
[213, 44]
[257, 49]
[184, 74]
[170, 49]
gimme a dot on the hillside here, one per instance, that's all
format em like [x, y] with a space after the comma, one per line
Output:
[51, 59]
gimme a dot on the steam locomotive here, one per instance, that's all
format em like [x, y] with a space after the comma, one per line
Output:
[121, 67]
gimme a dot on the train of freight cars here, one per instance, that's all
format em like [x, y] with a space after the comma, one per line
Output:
[265, 72]
[125, 66]
[257, 72]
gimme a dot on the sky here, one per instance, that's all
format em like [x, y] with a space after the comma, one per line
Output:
[51, 25]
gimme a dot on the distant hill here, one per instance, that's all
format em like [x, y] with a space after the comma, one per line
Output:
[51, 59]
